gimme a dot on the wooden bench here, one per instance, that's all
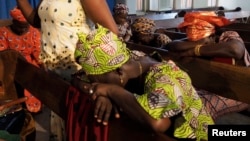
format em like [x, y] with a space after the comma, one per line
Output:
[226, 80]
[5, 22]
[52, 91]
[223, 79]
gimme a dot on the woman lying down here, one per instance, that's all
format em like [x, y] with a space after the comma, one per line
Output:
[154, 92]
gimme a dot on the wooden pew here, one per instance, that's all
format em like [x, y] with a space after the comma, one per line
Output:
[223, 79]
[52, 91]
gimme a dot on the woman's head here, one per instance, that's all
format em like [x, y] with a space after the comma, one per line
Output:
[19, 23]
[121, 9]
[201, 24]
[101, 54]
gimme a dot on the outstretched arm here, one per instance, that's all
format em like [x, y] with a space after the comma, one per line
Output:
[130, 106]
[233, 48]
[29, 13]
[98, 11]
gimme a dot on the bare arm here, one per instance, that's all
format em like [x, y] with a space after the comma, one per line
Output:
[29, 13]
[130, 106]
[98, 11]
[232, 48]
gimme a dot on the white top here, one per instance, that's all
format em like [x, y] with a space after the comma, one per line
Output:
[60, 22]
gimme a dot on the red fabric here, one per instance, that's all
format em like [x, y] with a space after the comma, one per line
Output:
[224, 60]
[28, 44]
[80, 122]
[17, 15]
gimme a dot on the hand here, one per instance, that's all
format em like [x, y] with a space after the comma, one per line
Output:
[100, 89]
[103, 105]
[103, 108]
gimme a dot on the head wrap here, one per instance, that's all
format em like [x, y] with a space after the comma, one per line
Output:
[162, 39]
[201, 24]
[101, 51]
[16, 14]
[143, 25]
[121, 8]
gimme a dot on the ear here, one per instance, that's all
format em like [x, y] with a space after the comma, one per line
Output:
[119, 71]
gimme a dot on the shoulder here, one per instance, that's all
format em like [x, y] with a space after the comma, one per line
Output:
[230, 35]
[4, 30]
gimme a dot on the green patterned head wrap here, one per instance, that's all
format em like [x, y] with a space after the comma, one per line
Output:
[100, 51]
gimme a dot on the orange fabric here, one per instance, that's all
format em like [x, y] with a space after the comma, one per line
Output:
[201, 24]
[28, 45]
[17, 15]
[32, 103]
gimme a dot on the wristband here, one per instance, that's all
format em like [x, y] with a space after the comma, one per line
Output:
[197, 50]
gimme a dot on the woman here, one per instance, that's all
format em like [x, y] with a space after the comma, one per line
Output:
[59, 21]
[153, 92]
[204, 39]
[22, 37]
[123, 21]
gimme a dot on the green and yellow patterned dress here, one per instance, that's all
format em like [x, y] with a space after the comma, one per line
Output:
[168, 92]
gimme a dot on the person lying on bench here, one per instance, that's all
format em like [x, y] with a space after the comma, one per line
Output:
[204, 39]
[152, 91]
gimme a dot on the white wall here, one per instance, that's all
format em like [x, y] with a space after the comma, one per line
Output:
[232, 4]
[131, 5]
[227, 4]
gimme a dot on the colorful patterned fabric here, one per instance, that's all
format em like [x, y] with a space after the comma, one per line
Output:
[162, 39]
[232, 35]
[201, 24]
[121, 8]
[143, 25]
[16, 14]
[124, 30]
[28, 44]
[101, 51]
[169, 92]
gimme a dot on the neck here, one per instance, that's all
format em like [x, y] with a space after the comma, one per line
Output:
[140, 67]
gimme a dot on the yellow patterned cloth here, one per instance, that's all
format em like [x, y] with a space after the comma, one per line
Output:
[169, 92]
[101, 51]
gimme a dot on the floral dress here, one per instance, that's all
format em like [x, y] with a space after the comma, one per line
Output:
[28, 44]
